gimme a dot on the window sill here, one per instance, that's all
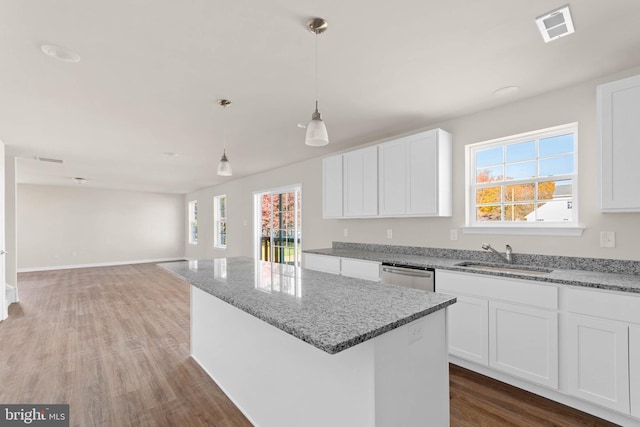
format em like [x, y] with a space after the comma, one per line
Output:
[526, 231]
[220, 247]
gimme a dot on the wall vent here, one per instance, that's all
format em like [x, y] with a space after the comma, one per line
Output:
[555, 24]
[46, 159]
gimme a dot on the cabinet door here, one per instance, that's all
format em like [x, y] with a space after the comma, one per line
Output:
[332, 187]
[360, 174]
[422, 166]
[367, 270]
[523, 342]
[634, 369]
[393, 178]
[598, 354]
[619, 127]
[326, 263]
[468, 328]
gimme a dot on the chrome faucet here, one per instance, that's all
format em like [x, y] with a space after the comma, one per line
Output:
[507, 255]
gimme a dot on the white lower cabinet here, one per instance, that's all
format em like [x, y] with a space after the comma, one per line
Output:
[634, 370]
[506, 324]
[468, 327]
[523, 341]
[598, 368]
[326, 263]
[516, 330]
[360, 269]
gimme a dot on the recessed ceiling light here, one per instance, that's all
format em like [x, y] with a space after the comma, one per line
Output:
[79, 180]
[302, 125]
[506, 91]
[555, 24]
[170, 154]
[60, 53]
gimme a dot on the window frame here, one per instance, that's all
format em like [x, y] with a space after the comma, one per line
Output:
[521, 227]
[192, 222]
[218, 219]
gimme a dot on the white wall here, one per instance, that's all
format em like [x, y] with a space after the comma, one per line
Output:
[573, 104]
[72, 226]
[10, 238]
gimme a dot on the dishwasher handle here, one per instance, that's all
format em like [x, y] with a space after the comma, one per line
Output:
[407, 272]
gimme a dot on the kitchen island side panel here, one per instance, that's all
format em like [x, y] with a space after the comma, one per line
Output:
[399, 378]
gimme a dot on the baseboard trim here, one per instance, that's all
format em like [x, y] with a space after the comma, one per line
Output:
[98, 264]
[11, 294]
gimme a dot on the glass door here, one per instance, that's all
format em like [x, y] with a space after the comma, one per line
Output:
[278, 218]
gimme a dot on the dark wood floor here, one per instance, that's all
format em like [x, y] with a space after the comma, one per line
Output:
[113, 342]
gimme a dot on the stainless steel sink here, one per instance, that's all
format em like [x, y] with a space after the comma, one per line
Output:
[505, 268]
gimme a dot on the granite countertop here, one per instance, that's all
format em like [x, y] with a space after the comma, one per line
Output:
[585, 278]
[328, 311]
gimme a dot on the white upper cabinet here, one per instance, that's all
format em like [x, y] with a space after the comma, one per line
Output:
[409, 176]
[619, 141]
[416, 175]
[393, 183]
[332, 187]
[360, 174]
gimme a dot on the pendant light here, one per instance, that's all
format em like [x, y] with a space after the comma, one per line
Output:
[316, 130]
[224, 167]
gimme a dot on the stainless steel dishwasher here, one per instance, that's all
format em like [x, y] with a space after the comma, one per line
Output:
[408, 276]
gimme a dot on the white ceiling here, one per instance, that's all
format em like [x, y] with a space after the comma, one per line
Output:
[151, 72]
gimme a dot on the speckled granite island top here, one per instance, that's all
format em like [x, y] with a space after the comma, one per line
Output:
[328, 311]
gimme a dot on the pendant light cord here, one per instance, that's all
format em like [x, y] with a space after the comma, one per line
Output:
[224, 132]
[316, 33]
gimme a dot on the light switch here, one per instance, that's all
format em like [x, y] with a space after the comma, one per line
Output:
[345, 232]
[453, 234]
[389, 233]
[607, 239]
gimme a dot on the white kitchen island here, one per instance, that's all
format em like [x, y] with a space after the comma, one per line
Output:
[294, 347]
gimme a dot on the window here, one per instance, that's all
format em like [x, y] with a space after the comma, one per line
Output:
[526, 180]
[220, 221]
[193, 222]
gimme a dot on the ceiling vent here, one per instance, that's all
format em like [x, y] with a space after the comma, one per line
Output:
[46, 159]
[555, 24]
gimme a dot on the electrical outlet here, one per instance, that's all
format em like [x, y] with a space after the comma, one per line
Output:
[607, 239]
[453, 234]
[415, 332]
[345, 232]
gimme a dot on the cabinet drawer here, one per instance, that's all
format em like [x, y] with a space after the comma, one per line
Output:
[599, 303]
[501, 289]
[368, 270]
[328, 264]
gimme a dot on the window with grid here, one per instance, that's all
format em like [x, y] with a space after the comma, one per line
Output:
[220, 221]
[193, 222]
[527, 180]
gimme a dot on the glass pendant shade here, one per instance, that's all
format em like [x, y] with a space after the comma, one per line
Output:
[316, 131]
[224, 167]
